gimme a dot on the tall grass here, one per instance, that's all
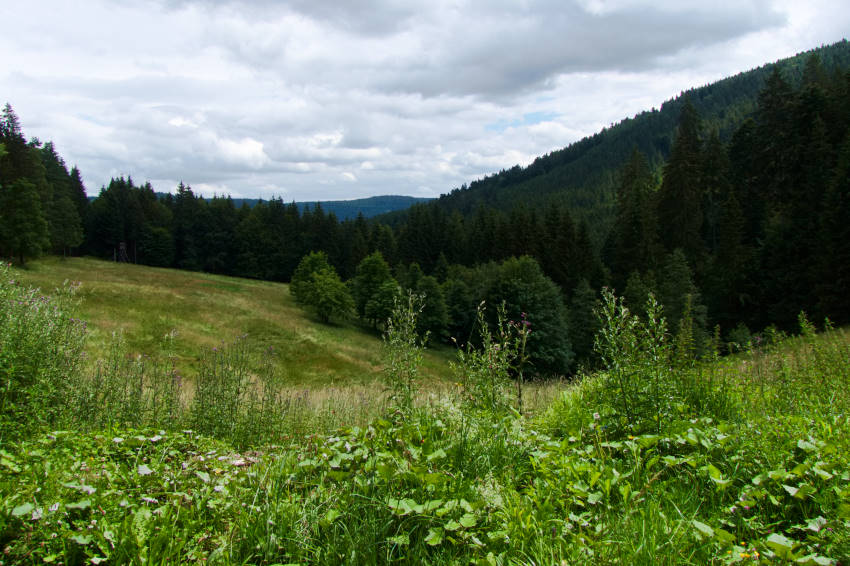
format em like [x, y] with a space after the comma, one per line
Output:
[659, 459]
[41, 349]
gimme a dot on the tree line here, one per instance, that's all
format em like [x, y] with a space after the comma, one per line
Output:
[741, 231]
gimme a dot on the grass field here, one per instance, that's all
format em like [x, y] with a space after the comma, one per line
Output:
[659, 459]
[147, 305]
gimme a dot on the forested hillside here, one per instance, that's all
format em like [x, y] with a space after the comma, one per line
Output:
[349, 209]
[584, 175]
[731, 204]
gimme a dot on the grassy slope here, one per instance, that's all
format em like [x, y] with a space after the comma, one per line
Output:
[145, 304]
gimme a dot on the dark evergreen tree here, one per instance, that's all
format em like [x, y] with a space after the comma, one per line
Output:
[678, 293]
[634, 236]
[67, 230]
[23, 228]
[434, 316]
[582, 320]
[461, 307]
[681, 193]
[833, 260]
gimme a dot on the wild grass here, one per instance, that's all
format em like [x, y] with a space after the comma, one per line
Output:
[179, 315]
[737, 460]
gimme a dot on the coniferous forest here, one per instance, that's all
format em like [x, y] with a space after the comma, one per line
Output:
[631, 262]
[731, 204]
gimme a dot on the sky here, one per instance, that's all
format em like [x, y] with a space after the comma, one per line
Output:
[330, 99]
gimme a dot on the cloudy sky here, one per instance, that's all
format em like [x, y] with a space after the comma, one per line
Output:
[332, 99]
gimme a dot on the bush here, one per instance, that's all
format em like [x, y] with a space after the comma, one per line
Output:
[41, 354]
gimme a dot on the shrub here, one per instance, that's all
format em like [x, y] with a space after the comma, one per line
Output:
[41, 354]
[403, 349]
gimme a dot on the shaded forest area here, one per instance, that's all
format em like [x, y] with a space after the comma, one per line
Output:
[731, 204]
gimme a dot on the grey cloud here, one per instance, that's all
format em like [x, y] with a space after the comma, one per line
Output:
[523, 51]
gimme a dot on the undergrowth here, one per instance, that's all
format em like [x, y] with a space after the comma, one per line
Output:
[662, 458]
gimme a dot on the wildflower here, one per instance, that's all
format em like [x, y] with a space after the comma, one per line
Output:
[596, 416]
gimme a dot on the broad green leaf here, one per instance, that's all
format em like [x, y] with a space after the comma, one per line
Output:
[432, 505]
[822, 474]
[713, 472]
[452, 526]
[22, 510]
[816, 524]
[84, 504]
[805, 490]
[468, 520]
[436, 455]
[143, 470]
[724, 536]
[806, 446]
[205, 477]
[815, 559]
[81, 539]
[703, 529]
[781, 545]
[330, 516]
[434, 537]
[778, 475]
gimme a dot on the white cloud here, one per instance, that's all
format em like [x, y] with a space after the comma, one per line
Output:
[313, 99]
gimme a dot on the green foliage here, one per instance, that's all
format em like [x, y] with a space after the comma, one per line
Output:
[486, 373]
[315, 284]
[372, 273]
[635, 355]
[403, 347]
[523, 288]
[448, 483]
[433, 319]
[330, 296]
[40, 357]
[381, 303]
[300, 286]
[67, 230]
[23, 227]
[583, 323]
[128, 391]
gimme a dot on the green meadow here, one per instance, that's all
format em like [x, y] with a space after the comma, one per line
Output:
[167, 312]
[119, 446]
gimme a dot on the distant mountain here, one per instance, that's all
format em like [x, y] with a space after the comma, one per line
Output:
[369, 207]
[343, 209]
[583, 175]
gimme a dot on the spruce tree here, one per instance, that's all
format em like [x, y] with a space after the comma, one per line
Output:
[681, 193]
[23, 227]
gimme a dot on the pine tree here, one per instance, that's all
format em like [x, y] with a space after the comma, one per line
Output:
[434, 316]
[635, 244]
[23, 227]
[67, 230]
[583, 323]
[681, 193]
